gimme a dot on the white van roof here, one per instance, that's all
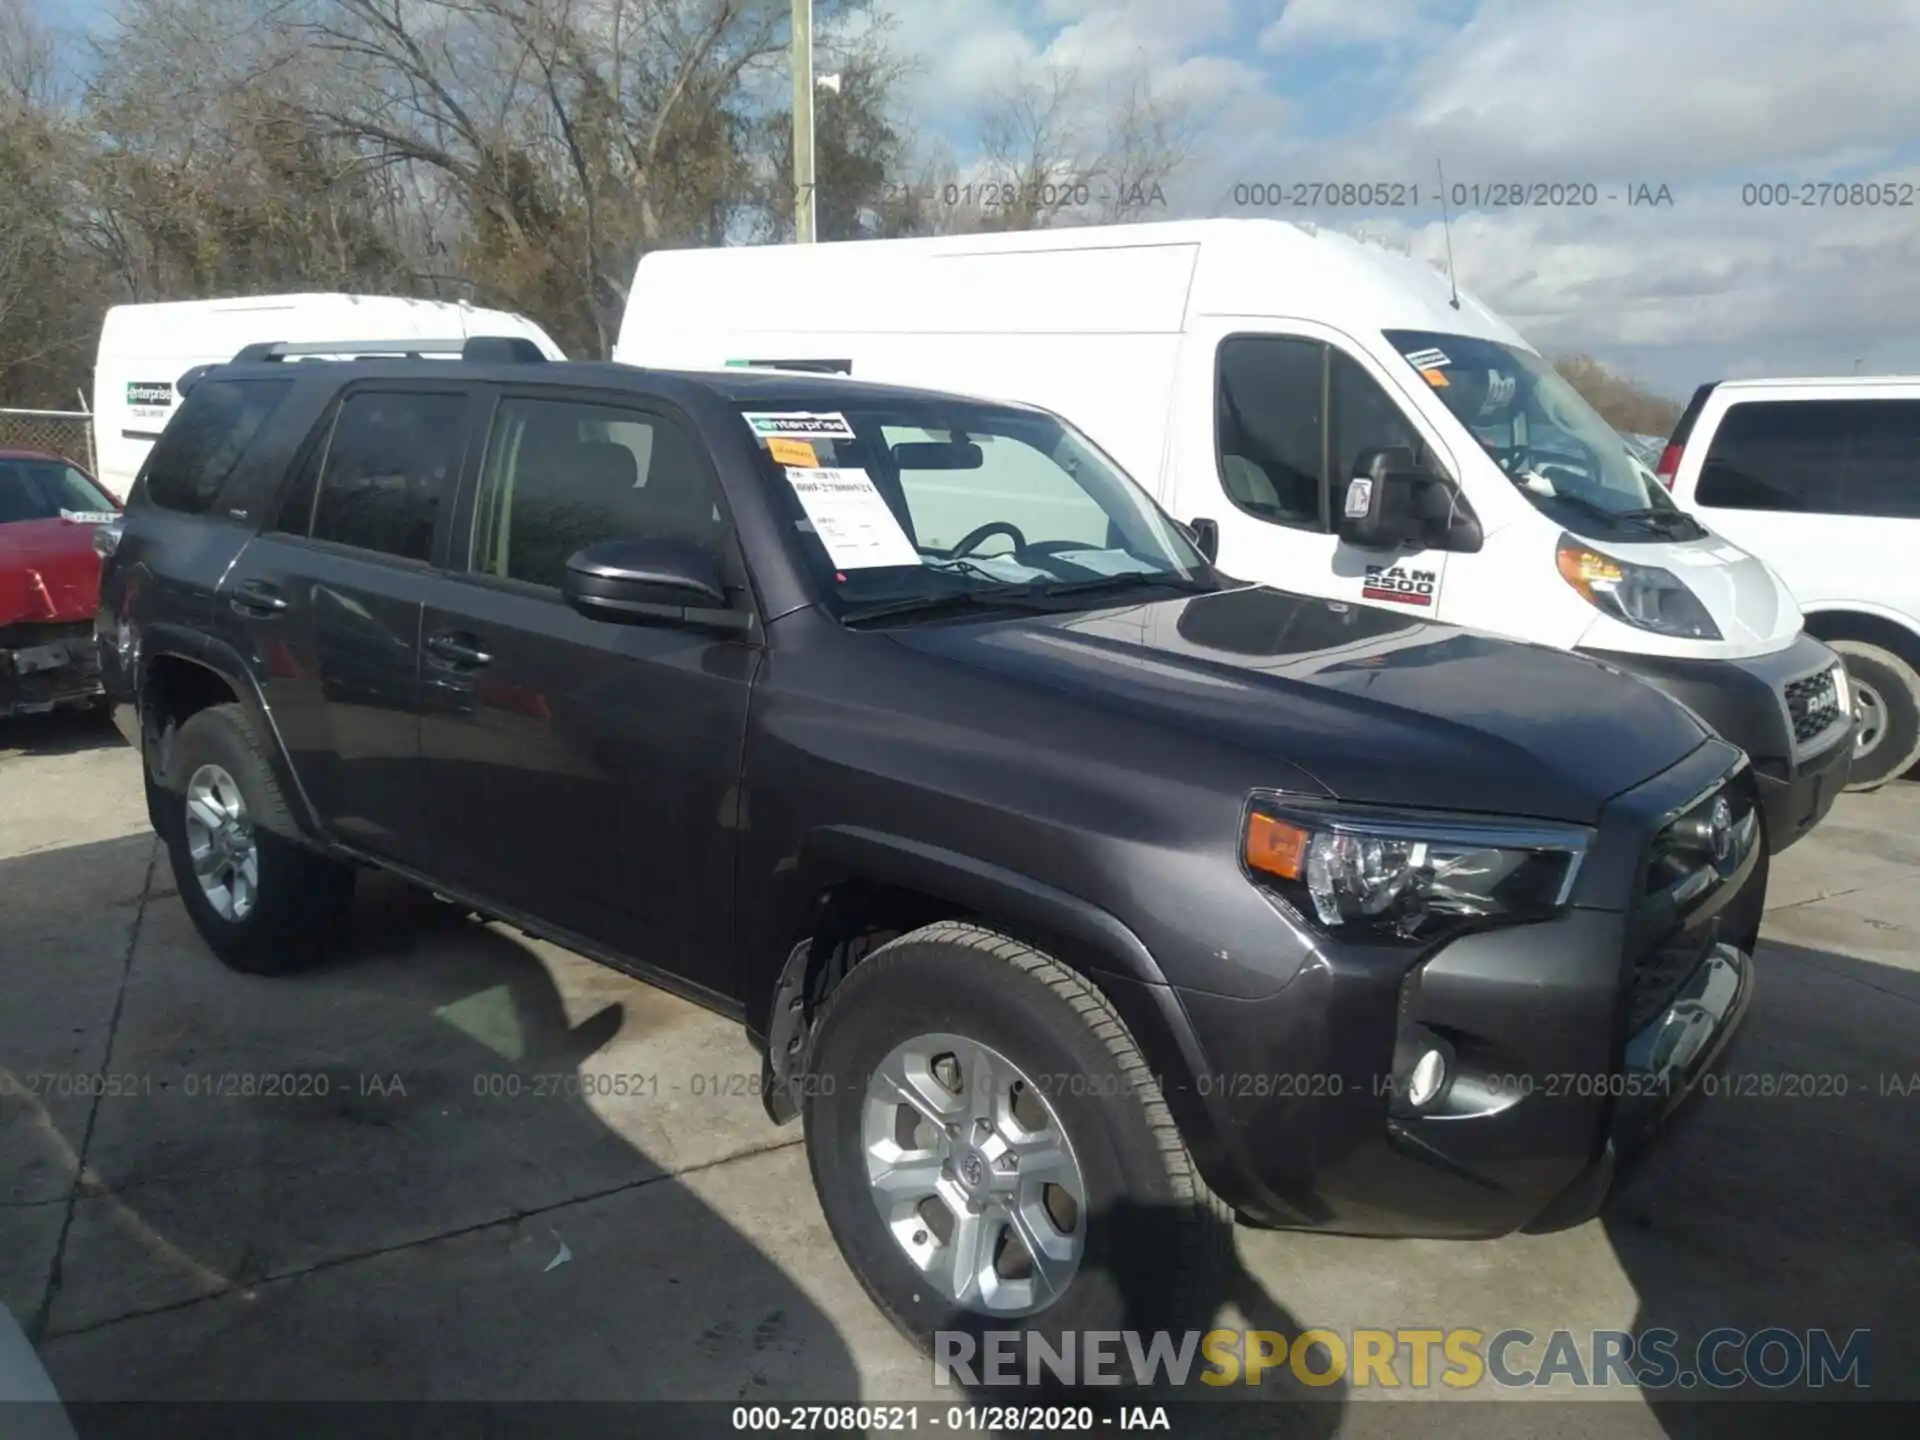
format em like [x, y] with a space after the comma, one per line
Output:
[1107, 278]
[160, 329]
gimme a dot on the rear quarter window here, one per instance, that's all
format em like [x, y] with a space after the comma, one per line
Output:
[204, 442]
[1820, 457]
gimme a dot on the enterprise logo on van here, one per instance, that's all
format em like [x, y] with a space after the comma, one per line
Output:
[150, 394]
[1401, 587]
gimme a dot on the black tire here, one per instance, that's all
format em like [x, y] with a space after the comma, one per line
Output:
[1893, 682]
[301, 894]
[1156, 1237]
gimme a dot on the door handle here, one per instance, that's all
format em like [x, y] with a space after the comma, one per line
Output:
[257, 597]
[457, 649]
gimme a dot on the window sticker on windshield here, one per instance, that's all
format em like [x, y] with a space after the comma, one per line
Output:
[793, 452]
[1436, 378]
[830, 425]
[852, 519]
[1429, 359]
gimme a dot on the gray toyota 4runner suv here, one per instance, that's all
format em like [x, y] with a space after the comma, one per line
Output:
[1077, 894]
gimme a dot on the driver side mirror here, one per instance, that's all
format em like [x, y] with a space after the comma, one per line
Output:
[1205, 535]
[1391, 501]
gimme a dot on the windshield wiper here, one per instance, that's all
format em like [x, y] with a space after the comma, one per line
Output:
[985, 597]
[1127, 580]
[1018, 597]
[1644, 518]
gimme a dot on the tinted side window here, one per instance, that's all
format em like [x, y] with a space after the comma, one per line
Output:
[205, 439]
[1777, 455]
[562, 474]
[1883, 462]
[392, 459]
[1271, 416]
[1365, 417]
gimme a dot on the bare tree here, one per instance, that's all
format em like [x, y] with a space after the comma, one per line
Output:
[1623, 402]
[1055, 150]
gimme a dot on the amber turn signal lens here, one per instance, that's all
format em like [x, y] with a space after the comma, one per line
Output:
[1581, 568]
[1276, 847]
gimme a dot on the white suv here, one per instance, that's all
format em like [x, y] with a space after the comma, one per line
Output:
[1820, 478]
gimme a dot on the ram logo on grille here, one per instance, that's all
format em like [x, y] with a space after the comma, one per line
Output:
[1814, 705]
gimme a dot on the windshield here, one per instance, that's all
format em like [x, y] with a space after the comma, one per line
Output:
[939, 500]
[1539, 430]
[32, 489]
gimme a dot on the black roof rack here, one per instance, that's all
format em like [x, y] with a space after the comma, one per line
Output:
[481, 349]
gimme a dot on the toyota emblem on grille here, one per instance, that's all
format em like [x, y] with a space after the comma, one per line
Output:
[1720, 829]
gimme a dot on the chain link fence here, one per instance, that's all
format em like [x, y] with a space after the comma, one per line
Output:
[66, 433]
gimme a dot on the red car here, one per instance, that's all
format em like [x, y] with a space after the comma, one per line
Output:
[49, 582]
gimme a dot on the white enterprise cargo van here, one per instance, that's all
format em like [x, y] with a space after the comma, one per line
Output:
[1328, 416]
[145, 349]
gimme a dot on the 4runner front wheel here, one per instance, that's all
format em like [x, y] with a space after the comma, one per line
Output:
[264, 903]
[992, 1152]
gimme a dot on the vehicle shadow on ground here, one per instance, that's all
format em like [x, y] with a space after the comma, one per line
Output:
[1274, 1404]
[1789, 1197]
[59, 732]
[377, 1181]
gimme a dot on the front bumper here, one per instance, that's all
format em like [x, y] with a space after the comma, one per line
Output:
[47, 667]
[1800, 762]
[1570, 1042]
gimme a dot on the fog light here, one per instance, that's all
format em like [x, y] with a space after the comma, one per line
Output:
[1429, 1074]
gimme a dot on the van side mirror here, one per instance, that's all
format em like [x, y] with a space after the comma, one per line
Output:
[1206, 538]
[1391, 501]
[642, 581]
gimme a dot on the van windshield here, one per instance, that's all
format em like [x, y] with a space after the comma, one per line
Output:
[1544, 436]
[914, 508]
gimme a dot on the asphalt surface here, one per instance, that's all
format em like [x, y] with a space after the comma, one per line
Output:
[455, 1164]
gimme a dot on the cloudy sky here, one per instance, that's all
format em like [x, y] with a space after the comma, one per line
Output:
[1704, 97]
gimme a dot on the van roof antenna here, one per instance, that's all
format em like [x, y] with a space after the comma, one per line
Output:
[1446, 229]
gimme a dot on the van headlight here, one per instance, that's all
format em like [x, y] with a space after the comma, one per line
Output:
[1404, 874]
[1643, 596]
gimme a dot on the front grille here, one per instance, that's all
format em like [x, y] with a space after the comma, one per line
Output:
[1684, 872]
[1659, 973]
[1814, 706]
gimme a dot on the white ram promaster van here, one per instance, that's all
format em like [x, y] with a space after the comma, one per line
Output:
[145, 349]
[1328, 415]
[1821, 478]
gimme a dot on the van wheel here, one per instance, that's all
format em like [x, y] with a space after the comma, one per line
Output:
[992, 1153]
[264, 903]
[1888, 742]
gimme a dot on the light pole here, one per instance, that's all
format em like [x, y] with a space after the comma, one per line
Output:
[803, 121]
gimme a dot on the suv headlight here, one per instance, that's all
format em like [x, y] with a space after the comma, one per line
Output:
[1643, 596]
[1407, 874]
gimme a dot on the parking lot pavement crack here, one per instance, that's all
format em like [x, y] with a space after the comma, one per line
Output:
[336, 1262]
[37, 1326]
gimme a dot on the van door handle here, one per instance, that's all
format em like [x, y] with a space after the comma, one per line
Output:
[457, 649]
[257, 597]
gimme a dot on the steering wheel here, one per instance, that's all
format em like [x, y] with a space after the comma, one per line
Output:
[971, 540]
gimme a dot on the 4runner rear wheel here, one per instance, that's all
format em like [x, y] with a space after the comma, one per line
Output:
[1888, 742]
[264, 903]
[991, 1151]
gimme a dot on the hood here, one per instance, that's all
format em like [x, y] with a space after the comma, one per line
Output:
[48, 571]
[1746, 599]
[1377, 708]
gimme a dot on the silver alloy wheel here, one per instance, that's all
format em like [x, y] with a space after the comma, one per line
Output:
[974, 1175]
[1873, 718]
[226, 858]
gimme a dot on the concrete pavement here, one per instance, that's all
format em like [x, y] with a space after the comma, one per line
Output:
[458, 1164]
